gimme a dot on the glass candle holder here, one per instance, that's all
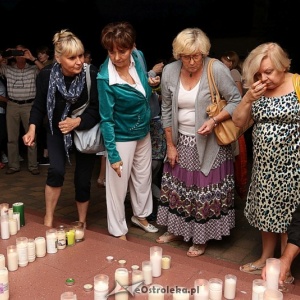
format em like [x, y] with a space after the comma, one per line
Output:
[5, 235]
[181, 293]
[155, 292]
[22, 250]
[13, 226]
[4, 284]
[201, 289]
[70, 236]
[147, 272]
[137, 276]
[51, 240]
[12, 258]
[101, 287]
[122, 277]
[230, 286]
[40, 246]
[272, 273]
[166, 262]
[61, 237]
[2, 260]
[272, 295]
[155, 258]
[258, 289]
[16, 215]
[79, 231]
[215, 289]
[68, 296]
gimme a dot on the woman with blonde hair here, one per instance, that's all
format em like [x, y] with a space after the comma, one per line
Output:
[274, 191]
[62, 88]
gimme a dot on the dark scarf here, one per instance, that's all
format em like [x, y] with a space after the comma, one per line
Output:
[57, 81]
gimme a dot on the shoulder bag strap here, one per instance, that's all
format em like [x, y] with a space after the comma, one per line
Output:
[215, 95]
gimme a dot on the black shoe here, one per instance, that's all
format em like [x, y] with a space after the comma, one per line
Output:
[34, 172]
[12, 171]
[44, 161]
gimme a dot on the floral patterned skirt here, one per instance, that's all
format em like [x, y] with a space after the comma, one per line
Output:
[193, 205]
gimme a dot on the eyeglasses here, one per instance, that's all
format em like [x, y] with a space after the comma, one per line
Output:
[195, 57]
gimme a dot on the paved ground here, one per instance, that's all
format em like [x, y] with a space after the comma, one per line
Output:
[242, 246]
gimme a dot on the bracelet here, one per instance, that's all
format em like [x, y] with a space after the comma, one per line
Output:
[214, 121]
[34, 60]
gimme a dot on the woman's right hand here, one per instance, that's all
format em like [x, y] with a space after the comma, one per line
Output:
[172, 155]
[118, 166]
[29, 137]
[257, 90]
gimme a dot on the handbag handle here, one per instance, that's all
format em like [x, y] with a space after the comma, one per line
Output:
[296, 83]
[214, 92]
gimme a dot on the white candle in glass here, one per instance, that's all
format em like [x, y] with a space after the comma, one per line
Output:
[155, 292]
[122, 277]
[181, 293]
[22, 249]
[272, 273]
[201, 289]
[258, 289]
[31, 250]
[16, 215]
[101, 286]
[10, 212]
[137, 276]
[4, 284]
[155, 258]
[230, 286]
[215, 289]
[13, 226]
[2, 260]
[272, 295]
[40, 246]
[147, 272]
[166, 262]
[5, 235]
[12, 258]
[51, 240]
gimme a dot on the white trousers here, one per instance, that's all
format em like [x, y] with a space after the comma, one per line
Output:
[136, 175]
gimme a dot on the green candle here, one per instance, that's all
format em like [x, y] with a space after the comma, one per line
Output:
[19, 207]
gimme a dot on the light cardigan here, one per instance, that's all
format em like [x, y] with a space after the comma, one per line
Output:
[208, 147]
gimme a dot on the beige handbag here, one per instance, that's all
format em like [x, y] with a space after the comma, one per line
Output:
[226, 132]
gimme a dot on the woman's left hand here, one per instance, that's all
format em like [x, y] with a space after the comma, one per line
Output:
[207, 127]
[154, 81]
[68, 124]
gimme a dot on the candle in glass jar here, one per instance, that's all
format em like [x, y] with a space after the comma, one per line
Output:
[10, 212]
[181, 293]
[4, 227]
[40, 246]
[16, 215]
[79, 230]
[147, 272]
[215, 289]
[272, 273]
[22, 249]
[155, 258]
[230, 286]
[121, 276]
[166, 262]
[258, 289]
[137, 276]
[101, 286]
[201, 289]
[61, 237]
[51, 240]
[31, 250]
[13, 226]
[2, 260]
[12, 258]
[4, 285]
[273, 295]
[155, 292]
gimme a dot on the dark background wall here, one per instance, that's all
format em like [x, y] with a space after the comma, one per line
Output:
[231, 25]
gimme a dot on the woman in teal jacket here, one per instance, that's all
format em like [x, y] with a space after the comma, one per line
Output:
[124, 92]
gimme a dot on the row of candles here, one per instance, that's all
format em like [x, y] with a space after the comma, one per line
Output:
[203, 289]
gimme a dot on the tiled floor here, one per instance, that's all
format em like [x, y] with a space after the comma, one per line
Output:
[242, 246]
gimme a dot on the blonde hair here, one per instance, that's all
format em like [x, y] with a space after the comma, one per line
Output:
[274, 52]
[191, 41]
[67, 43]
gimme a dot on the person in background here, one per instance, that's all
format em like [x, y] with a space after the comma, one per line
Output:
[3, 131]
[232, 61]
[197, 190]
[62, 88]
[21, 91]
[43, 55]
[124, 93]
[292, 248]
[274, 191]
